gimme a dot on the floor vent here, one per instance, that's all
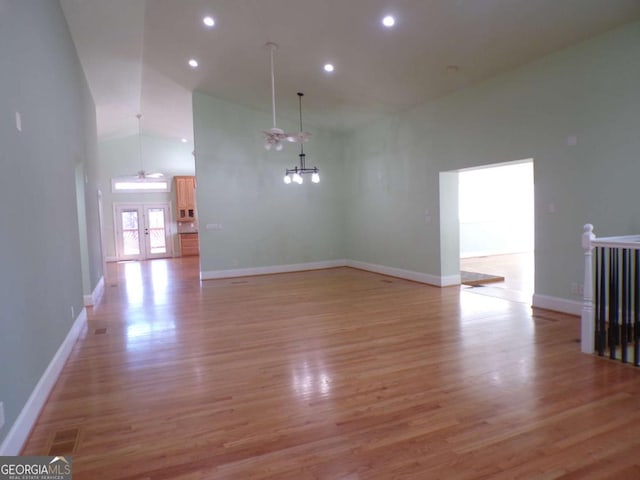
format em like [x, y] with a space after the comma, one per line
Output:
[100, 331]
[239, 282]
[64, 442]
[386, 281]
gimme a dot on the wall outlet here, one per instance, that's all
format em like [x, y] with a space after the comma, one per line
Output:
[1, 415]
[73, 312]
[577, 289]
[18, 121]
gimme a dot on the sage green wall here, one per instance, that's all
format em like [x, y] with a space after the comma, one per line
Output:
[449, 224]
[265, 222]
[82, 228]
[91, 188]
[590, 91]
[392, 190]
[40, 274]
[121, 157]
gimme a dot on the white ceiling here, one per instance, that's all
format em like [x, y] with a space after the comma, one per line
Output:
[135, 53]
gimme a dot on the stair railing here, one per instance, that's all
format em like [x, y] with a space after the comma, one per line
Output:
[610, 320]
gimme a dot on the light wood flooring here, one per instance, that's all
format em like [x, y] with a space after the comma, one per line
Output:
[332, 374]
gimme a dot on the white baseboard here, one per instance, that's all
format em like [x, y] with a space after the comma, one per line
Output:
[370, 267]
[17, 436]
[450, 280]
[91, 300]
[563, 305]
[406, 274]
[247, 272]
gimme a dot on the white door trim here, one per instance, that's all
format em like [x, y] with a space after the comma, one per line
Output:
[142, 224]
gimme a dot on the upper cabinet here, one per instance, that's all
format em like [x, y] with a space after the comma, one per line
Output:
[186, 198]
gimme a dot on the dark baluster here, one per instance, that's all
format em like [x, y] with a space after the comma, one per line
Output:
[624, 312]
[636, 309]
[598, 300]
[602, 299]
[596, 297]
[629, 306]
[614, 295]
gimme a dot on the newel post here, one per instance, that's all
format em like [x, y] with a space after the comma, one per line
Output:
[587, 329]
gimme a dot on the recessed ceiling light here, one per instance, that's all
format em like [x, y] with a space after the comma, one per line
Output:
[184, 140]
[388, 21]
[328, 68]
[193, 63]
[209, 21]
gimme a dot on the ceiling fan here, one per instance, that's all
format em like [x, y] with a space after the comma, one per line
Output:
[142, 174]
[275, 136]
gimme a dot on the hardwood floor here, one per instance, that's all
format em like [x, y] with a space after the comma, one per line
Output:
[332, 374]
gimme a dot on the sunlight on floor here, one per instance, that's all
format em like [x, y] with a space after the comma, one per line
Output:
[517, 270]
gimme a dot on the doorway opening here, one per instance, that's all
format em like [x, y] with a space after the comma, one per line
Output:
[142, 231]
[496, 215]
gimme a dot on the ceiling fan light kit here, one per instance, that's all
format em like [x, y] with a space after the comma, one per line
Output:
[274, 137]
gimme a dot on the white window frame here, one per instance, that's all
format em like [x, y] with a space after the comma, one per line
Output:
[140, 185]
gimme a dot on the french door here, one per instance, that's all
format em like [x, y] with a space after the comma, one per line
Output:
[142, 231]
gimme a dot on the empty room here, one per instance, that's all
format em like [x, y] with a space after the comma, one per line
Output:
[236, 253]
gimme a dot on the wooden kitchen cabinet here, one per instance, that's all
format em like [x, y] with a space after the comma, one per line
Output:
[189, 244]
[186, 198]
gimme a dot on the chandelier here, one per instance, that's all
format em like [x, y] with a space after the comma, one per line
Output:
[295, 174]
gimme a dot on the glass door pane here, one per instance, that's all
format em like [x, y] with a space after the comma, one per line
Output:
[143, 231]
[156, 231]
[130, 221]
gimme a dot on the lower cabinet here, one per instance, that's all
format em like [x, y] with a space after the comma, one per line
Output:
[189, 244]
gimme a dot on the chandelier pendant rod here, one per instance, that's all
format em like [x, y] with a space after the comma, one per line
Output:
[302, 155]
[292, 175]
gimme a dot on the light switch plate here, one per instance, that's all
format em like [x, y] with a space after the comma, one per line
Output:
[1, 415]
[19, 121]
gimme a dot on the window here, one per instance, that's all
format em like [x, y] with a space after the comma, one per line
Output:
[133, 184]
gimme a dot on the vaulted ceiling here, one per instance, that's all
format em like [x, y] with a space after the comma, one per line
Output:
[135, 53]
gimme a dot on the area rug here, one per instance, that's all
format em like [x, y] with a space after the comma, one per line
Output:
[475, 278]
